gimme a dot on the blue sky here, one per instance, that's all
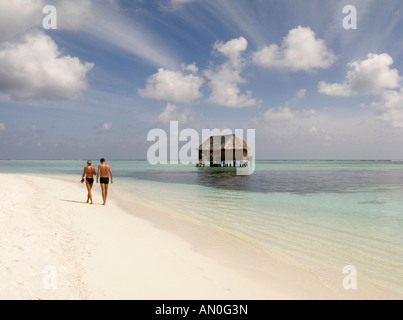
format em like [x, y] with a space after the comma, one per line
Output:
[113, 70]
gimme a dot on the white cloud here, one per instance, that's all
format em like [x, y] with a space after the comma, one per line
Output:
[19, 16]
[226, 78]
[232, 49]
[123, 32]
[301, 50]
[105, 127]
[74, 14]
[301, 93]
[328, 134]
[365, 77]
[171, 113]
[35, 68]
[180, 2]
[286, 114]
[282, 114]
[192, 68]
[31, 64]
[2, 126]
[225, 91]
[101, 19]
[174, 4]
[173, 86]
[294, 101]
[390, 108]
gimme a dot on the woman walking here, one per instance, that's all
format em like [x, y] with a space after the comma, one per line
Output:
[88, 173]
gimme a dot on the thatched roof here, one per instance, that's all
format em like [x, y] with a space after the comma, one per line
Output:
[218, 143]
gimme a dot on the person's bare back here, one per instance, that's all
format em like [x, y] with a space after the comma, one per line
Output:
[89, 171]
[104, 170]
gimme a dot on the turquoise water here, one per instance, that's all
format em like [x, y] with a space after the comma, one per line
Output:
[336, 213]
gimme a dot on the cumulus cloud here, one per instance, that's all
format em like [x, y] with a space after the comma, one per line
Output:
[31, 64]
[171, 113]
[2, 126]
[192, 68]
[35, 68]
[173, 86]
[233, 50]
[224, 80]
[105, 127]
[365, 77]
[390, 108]
[300, 50]
[19, 16]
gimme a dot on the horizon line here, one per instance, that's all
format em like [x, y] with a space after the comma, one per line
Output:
[386, 160]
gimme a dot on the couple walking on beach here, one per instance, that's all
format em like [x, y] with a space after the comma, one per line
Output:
[103, 172]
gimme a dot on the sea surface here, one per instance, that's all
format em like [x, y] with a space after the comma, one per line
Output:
[336, 213]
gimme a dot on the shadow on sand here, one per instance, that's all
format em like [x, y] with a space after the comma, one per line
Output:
[80, 202]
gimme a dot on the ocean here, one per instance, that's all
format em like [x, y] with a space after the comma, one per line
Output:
[335, 213]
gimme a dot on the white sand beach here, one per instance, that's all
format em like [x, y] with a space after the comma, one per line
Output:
[116, 252]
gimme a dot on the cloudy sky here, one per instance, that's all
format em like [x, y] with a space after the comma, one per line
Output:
[115, 69]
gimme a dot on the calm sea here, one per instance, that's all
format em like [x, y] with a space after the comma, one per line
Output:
[336, 213]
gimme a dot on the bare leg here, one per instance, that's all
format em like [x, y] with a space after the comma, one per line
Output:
[106, 193]
[92, 201]
[89, 197]
[89, 188]
[103, 192]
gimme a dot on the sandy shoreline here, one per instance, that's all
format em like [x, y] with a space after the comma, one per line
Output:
[55, 246]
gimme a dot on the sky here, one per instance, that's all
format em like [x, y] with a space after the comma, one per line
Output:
[113, 70]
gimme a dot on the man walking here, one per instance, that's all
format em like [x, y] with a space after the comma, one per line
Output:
[104, 170]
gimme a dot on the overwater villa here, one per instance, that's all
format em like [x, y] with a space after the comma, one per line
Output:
[223, 151]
